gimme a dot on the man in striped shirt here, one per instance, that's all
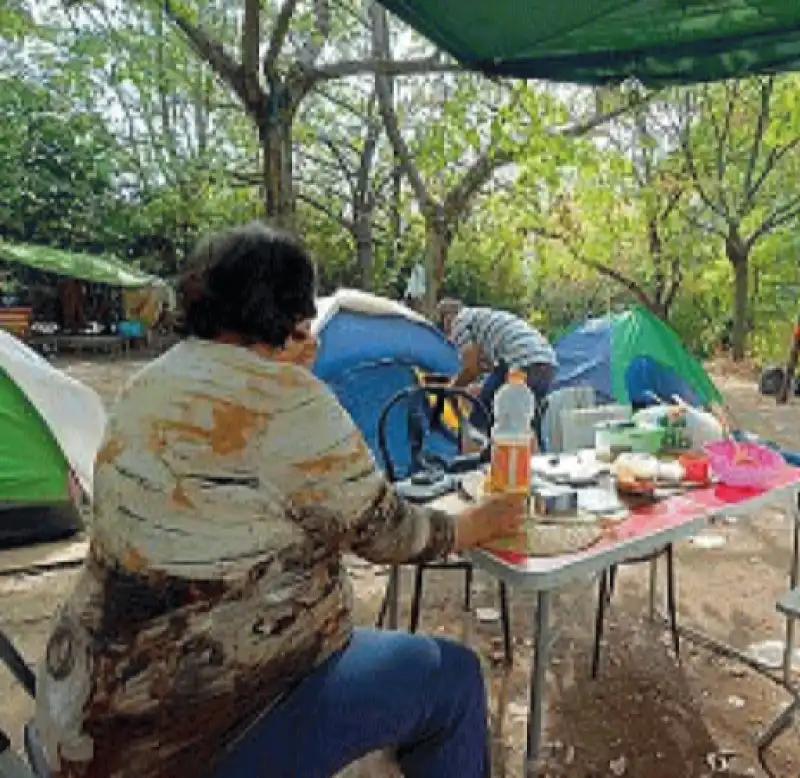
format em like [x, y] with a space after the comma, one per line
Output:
[495, 341]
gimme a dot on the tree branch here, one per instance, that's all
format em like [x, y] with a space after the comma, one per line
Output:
[761, 126]
[327, 211]
[458, 198]
[251, 41]
[307, 56]
[721, 136]
[340, 103]
[385, 67]
[341, 160]
[225, 67]
[778, 218]
[675, 284]
[672, 203]
[584, 128]
[709, 229]
[773, 158]
[362, 189]
[634, 288]
[279, 32]
[383, 90]
[688, 155]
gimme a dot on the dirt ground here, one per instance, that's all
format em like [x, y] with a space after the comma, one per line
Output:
[647, 716]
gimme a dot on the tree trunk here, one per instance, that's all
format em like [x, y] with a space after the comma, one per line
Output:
[738, 255]
[438, 238]
[658, 309]
[791, 366]
[275, 134]
[395, 213]
[365, 250]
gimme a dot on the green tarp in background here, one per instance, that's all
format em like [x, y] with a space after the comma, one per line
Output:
[87, 267]
[605, 41]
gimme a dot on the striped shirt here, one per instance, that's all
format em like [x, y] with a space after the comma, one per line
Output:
[502, 337]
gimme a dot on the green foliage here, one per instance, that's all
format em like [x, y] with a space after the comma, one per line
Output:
[57, 170]
[116, 137]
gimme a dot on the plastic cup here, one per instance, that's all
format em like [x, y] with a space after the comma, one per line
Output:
[696, 468]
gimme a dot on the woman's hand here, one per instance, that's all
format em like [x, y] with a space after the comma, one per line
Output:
[495, 516]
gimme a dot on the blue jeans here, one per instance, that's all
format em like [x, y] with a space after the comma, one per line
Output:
[421, 696]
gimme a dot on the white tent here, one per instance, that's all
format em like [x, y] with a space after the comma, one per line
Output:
[73, 412]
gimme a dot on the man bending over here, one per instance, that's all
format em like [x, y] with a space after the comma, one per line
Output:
[495, 341]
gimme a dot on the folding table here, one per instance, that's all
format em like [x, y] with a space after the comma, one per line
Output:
[645, 530]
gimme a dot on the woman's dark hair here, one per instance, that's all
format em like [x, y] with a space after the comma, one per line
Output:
[254, 281]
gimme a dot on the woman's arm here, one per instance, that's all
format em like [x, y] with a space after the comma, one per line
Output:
[338, 493]
[317, 457]
[392, 530]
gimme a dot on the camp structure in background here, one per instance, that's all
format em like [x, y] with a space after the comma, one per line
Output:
[51, 426]
[628, 358]
[657, 42]
[369, 349]
[62, 300]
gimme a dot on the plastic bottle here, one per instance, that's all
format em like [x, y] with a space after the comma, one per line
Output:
[514, 407]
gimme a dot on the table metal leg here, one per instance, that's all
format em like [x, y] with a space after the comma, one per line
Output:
[393, 616]
[794, 577]
[653, 588]
[538, 692]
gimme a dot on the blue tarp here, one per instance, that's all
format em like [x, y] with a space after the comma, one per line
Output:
[367, 359]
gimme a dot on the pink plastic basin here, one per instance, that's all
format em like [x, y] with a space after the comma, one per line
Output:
[758, 473]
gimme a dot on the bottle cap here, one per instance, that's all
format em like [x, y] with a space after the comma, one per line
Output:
[516, 376]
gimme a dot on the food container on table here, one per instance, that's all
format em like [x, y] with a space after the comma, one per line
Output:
[602, 440]
[554, 500]
[636, 473]
[615, 438]
[743, 463]
[646, 439]
[671, 472]
[696, 468]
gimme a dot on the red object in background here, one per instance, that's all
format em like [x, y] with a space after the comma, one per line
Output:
[696, 468]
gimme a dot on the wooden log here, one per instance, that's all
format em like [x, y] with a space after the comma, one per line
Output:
[791, 367]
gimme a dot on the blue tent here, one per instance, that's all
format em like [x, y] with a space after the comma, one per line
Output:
[369, 349]
[628, 357]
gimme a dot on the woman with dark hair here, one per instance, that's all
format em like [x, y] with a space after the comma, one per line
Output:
[210, 631]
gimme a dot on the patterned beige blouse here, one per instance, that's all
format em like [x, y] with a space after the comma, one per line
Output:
[226, 490]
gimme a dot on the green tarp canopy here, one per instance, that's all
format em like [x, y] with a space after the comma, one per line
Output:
[604, 41]
[87, 267]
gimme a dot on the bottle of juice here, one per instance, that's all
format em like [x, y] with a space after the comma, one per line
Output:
[514, 406]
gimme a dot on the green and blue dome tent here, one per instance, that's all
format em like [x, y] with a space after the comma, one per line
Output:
[630, 358]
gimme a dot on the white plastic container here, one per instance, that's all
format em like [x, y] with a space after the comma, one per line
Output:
[514, 407]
